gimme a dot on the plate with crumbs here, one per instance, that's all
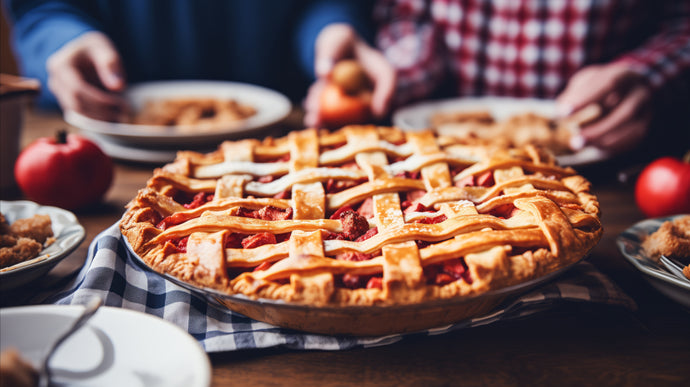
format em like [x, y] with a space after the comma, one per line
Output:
[169, 114]
[630, 244]
[490, 115]
[68, 234]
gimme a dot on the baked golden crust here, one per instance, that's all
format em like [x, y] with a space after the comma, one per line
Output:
[362, 216]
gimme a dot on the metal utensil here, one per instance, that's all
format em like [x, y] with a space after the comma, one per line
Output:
[90, 309]
[673, 267]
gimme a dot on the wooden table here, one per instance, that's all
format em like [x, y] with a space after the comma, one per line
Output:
[568, 345]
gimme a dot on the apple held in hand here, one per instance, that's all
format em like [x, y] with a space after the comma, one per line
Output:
[67, 171]
[663, 187]
[346, 98]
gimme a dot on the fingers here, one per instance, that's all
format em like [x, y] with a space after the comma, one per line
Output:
[587, 86]
[602, 84]
[624, 125]
[334, 42]
[382, 73]
[85, 76]
[108, 66]
[75, 94]
[340, 41]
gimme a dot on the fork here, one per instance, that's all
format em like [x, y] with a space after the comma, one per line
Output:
[673, 267]
[90, 309]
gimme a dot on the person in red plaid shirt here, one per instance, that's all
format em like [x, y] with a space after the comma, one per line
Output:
[615, 53]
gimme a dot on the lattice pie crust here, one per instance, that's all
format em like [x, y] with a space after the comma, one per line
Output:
[362, 216]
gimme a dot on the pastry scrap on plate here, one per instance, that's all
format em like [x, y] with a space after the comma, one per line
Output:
[517, 130]
[202, 113]
[24, 238]
[363, 215]
[671, 240]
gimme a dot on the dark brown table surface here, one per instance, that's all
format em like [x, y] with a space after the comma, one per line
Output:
[581, 344]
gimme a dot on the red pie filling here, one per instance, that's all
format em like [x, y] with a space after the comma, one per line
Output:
[447, 272]
[334, 186]
[192, 200]
[351, 281]
[416, 175]
[353, 224]
[181, 244]
[265, 213]
[486, 179]
[503, 211]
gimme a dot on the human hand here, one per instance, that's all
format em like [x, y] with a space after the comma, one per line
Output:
[339, 41]
[624, 98]
[86, 76]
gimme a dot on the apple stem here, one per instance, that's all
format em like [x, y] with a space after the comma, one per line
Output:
[61, 136]
[686, 158]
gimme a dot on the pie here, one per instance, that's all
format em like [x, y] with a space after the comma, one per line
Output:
[516, 130]
[363, 215]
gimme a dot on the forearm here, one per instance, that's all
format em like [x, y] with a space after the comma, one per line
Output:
[666, 55]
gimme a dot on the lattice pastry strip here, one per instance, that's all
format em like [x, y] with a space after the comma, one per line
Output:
[362, 216]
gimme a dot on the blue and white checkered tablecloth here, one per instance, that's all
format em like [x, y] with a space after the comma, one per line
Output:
[112, 273]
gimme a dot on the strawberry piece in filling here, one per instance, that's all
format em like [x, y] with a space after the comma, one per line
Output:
[333, 186]
[370, 233]
[447, 272]
[366, 209]
[409, 175]
[355, 256]
[432, 219]
[504, 211]
[266, 213]
[260, 239]
[234, 241]
[486, 179]
[198, 200]
[263, 266]
[408, 207]
[181, 244]
[354, 225]
[265, 179]
[351, 281]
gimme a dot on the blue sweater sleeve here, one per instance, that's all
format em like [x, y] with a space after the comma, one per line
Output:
[42, 27]
[357, 13]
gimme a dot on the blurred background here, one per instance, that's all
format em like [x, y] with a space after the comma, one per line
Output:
[7, 63]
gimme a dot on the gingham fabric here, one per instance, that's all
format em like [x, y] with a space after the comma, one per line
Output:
[528, 48]
[112, 273]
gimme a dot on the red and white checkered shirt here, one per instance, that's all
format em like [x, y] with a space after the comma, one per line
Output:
[528, 48]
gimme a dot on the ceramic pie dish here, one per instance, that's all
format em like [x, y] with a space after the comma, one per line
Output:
[360, 223]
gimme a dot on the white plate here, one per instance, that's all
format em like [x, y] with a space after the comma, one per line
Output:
[416, 117]
[68, 232]
[271, 106]
[630, 244]
[117, 347]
